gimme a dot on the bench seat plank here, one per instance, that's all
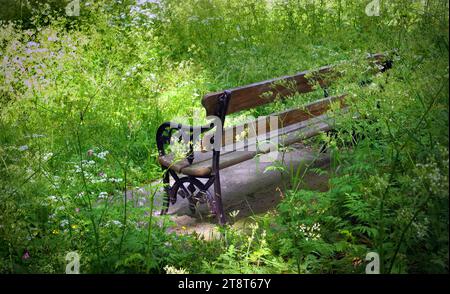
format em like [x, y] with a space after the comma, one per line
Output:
[285, 118]
[202, 165]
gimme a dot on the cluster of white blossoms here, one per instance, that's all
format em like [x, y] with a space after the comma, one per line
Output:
[52, 198]
[433, 176]
[47, 156]
[173, 270]
[87, 167]
[103, 195]
[64, 223]
[310, 232]
[113, 223]
[421, 228]
[420, 225]
[179, 149]
[102, 155]
[84, 163]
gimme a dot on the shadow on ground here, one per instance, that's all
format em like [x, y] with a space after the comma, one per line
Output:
[249, 189]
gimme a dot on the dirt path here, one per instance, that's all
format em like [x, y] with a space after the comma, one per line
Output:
[249, 189]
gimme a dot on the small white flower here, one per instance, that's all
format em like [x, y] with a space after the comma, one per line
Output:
[64, 223]
[114, 180]
[103, 195]
[173, 270]
[114, 222]
[102, 155]
[47, 156]
[23, 148]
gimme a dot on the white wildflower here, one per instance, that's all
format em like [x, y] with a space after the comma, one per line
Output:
[117, 223]
[114, 180]
[64, 223]
[173, 270]
[102, 155]
[47, 156]
[312, 232]
[23, 148]
[103, 195]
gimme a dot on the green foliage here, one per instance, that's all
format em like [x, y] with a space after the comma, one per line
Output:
[81, 99]
[246, 254]
[313, 237]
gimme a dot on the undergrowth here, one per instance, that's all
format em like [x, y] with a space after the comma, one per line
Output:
[81, 98]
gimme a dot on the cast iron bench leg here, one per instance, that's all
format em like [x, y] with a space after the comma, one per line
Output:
[166, 197]
[218, 199]
[217, 190]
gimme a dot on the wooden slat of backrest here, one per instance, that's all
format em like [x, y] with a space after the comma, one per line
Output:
[257, 128]
[313, 109]
[250, 96]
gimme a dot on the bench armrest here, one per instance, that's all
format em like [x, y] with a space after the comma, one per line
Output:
[165, 132]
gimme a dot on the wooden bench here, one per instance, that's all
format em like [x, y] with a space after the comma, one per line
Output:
[200, 169]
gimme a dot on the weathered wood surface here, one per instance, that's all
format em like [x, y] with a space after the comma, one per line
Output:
[260, 126]
[250, 96]
[256, 94]
[202, 165]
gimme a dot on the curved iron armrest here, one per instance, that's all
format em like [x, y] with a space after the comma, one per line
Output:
[166, 130]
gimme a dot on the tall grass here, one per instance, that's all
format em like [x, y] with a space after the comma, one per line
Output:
[82, 97]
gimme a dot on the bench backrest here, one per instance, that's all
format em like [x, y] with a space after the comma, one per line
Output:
[250, 96]
[253, 95]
